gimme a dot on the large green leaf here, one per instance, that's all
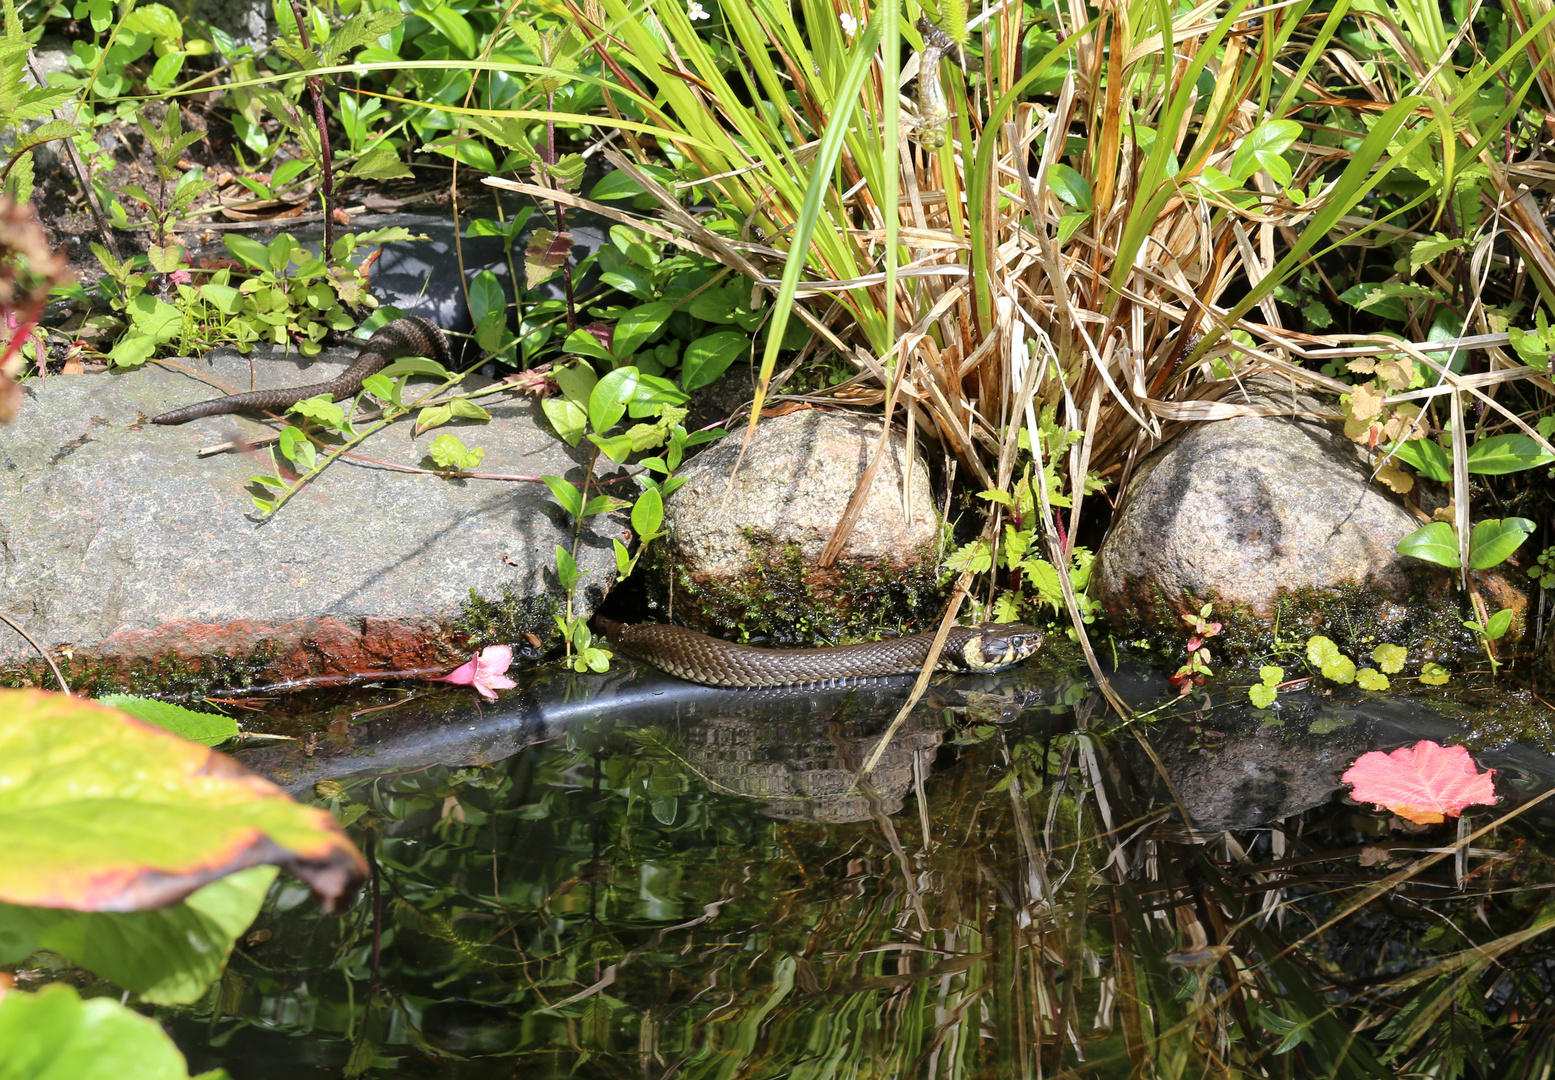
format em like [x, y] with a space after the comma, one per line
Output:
[99, 812]
[54, 1035]
[1500, 454]
[169, 956]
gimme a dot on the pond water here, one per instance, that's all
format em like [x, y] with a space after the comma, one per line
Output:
[610, 878]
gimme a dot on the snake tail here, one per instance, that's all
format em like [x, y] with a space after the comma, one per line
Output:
[408, 336]
[699, 658]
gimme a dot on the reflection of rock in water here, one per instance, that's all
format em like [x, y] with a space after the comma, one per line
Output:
[1248, 778]
[802, 769]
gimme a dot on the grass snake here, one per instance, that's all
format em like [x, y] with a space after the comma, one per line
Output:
[687, 654]
[408, 336]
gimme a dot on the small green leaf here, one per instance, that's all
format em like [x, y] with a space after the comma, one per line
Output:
[576, 380]
[157, 318]
[322, 409]
[416, 365]
[465, 409]
[1499, 624]
[450, 453]
[383, 388]
[1493, 540]
[569, 496]
[607, 401]
[1390, 658]
[709, 357]
[250, 252]
[568, 418]
[1262, 695]
[1371, 679]
[648, 514]
[566, 569]
[224, 298]
[486, 297]
[975, 557]
[1426, 457]
[1435, 543]
[1070, 187]
[298, 448]
[208, 729]
[433, 417]
[1433, 674]
[582, 343]
[617, 448]
[637, 326]
[600, 504]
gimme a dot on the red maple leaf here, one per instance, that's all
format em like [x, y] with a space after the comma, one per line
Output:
[1424, 783]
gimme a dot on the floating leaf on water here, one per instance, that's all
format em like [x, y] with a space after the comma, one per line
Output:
[1425, 783]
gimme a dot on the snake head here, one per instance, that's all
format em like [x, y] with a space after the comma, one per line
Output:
[997, 646]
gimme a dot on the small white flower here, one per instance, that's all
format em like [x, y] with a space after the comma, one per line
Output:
[696, 11]
[849, 23]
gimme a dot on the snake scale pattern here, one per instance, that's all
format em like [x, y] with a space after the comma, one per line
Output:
[698, 658]
[409, 336]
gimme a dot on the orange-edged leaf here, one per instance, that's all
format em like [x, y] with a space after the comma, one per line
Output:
[546, 253]
[100, 812]
[1424, 783]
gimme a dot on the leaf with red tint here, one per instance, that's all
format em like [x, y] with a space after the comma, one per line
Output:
[100, 812]
[1424, 783]
[546, 254]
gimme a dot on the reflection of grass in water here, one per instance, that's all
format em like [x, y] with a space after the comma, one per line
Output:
[557, 913]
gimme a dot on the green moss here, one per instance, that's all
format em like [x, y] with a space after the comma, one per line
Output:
[1427, 624]
[788, 601]
[167, 674]
[483, 622]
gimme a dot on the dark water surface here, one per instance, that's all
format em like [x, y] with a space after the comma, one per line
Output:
[642, 880]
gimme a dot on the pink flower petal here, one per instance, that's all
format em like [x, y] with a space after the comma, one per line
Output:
[463, 675]
[484, 672]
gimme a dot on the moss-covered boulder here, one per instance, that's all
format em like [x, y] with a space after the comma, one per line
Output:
[743, 546]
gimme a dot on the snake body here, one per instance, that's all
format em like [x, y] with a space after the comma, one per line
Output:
[409, 336]
[696, 657]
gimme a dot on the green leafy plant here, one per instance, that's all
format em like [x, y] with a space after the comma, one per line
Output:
[1262, 694]
[1191, 675]
[1543, 570]
[1491, 542]
[594, 405]
[21, 103]
[1033, 580]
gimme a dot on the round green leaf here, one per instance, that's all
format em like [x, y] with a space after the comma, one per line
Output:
[1390, 658]
[1371, 679]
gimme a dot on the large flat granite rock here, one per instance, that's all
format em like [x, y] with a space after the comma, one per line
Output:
[120, 545]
